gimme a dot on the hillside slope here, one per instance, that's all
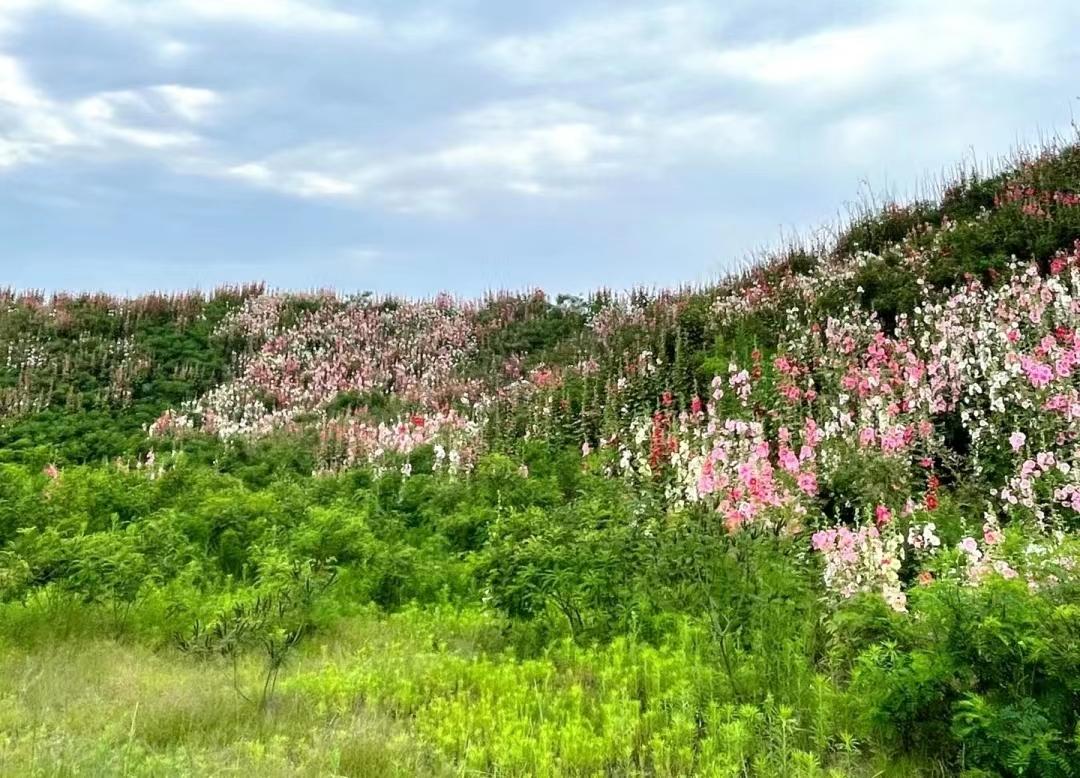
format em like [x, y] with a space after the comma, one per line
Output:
[819, 518]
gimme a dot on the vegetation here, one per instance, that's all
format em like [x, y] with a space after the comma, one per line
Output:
[817, 520]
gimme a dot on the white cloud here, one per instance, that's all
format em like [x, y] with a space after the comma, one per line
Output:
[935, 42]
[30, 126]
[532, 148]
[630, 95]
[161, 19]
[690, 44]
[35, 127]
[189, 103]
[290, 14]
[283, 14]
[171, 50]
[630, 43]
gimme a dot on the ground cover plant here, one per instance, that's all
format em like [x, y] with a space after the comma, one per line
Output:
[818, 519]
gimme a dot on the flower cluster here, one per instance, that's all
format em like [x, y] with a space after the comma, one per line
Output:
[862, 560]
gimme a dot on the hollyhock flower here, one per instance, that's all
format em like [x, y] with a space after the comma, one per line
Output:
[971, 548]
[882, 515]
[893, 439]
[718, 388]
[1017, 440]
[1038, 374]
[1004, 570]
[791, 393]
[823, 539]
[808, 483]
[895, 598]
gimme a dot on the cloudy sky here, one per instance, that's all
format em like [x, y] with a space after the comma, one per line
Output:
[411, 147]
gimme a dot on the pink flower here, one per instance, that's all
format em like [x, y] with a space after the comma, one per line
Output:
[813, 433]
[970, 547]
[882, 515]
[893, 439]
[1038, 374]
[791, 393]
[789, 461]
[823, 539]
[808, 483]
[1017, 440]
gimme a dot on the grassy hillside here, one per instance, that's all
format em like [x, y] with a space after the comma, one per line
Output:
[817, 519]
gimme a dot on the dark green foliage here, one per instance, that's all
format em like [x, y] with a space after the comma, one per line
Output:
[876, 231]
[990, 675]
[109, 369]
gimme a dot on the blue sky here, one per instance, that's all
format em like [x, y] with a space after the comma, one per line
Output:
[411, 147]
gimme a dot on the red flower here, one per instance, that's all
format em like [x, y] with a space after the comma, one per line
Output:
[418, 421]
[659, 446]
[931, 501]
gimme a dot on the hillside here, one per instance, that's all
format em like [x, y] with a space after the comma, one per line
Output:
[819, 518]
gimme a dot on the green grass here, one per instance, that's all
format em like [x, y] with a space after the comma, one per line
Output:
[423, 692]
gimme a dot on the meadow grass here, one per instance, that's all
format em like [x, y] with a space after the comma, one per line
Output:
[422, 692]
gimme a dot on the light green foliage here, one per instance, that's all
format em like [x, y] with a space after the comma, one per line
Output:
[548, 633]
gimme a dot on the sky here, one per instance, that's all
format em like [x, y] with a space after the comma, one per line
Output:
[414, 147]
